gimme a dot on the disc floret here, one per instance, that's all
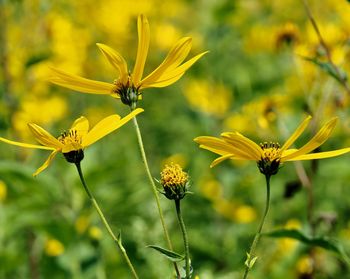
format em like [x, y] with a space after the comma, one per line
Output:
[128, 92]
[174, 181]
[270, 159]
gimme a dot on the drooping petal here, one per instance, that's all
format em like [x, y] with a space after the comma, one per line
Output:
[175, 57]
[46, 163]
[214, 145]
[244, 144]
[297, 133]
[221, 159]
[142, 49]
[321, 155]
[172, 75]
[322, 135]
[80, 84]
[26, 145]
[81, 125]
[44, 137]
[222, 147]
[116, 60]
[106, 126]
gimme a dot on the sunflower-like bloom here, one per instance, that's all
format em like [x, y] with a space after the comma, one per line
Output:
[174, 181]
[129, 84]
[72, 142]
[269, 156]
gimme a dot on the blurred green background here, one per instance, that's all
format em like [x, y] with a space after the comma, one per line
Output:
[254, 80]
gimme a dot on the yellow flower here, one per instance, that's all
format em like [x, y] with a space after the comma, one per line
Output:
[244, 214]
[78, 137]
[95, 233]
[3, 191]
[53, 247]
[129, 84]
[174, 181]
[269, 156]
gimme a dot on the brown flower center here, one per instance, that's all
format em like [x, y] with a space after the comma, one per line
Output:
[271, 158]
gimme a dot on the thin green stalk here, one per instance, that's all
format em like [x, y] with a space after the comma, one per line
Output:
[185, 239]
[154, 189]
[104, 221]
[251, 257]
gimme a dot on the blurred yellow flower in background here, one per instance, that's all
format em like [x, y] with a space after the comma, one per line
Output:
[3, 191]
[29, 112]
[244, 214]
[305, 265]
[210, 98]
[178, 158]
[211, 189]
[286, 245]
[53, 247]
[235, 211]
[128, 85]
[82, 223]
[75, 140]
[95, 233]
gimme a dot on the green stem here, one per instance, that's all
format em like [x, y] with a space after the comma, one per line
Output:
[250, 260]
[154, 190]
[185, 239]
[104, 221]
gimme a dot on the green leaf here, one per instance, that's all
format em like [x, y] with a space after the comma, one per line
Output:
[174, 257]
[336, 73]
[323, 242]
[250, 261]
[37, 58]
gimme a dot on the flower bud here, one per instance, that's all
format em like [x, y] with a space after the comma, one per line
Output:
[174, 181]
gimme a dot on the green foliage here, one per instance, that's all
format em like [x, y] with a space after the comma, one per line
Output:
[171, 255]
[323, 242]
[255, 49]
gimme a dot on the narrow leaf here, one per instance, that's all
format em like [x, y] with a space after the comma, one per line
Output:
[338, 74]
[174, 257]
[323, 242]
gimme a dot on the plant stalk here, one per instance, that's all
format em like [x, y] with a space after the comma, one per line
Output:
[105, 223]
[154, 189]
[185, 239]
[249, 263]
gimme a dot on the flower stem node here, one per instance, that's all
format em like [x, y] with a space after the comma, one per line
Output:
[269, 163]
[174, 181]
[75, 156]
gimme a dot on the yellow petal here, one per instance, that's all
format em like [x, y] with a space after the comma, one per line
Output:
[80, 84]
[72, 146]
[322, 135]
[44, 137]
[142, 49]
[214, 145]
[46, 163]
[297, 133]
[221, 159]
[106, 126]
[173, 75]
[116, 60]
[321, 155]
[81, 125]
[26, 145]
[175, 57]
[244, 144]
[222, 147]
